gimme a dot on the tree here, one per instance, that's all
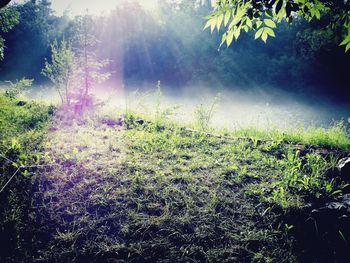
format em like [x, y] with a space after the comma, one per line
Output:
[4, 3]
[60, 70]
[262, 16]
[28, 43]
[90, 70]
[9, 17]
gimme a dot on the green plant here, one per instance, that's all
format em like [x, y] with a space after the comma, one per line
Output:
[204, 113]
[90, 70]
[162, 113]
[9, 17]
[22, 131]
[17, 88]
[60, 69]
[262, 17]
[158, 96]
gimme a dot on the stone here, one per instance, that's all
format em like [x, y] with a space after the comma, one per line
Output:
[332, 173]
[109, 122]
[336, 212]
[344, 169]
[120, 121]
[21, 103]
[140, 122]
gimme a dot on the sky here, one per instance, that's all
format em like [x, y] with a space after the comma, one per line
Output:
[96, 7]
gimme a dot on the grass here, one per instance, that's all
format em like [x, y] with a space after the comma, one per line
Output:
[157, 192]
[153, 195]
[335, 136]
[22, 129]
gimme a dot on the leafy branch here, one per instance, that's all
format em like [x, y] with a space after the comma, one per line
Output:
[262, 16]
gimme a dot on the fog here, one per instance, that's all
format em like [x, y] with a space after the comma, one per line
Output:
[236, 107]
[287, 82]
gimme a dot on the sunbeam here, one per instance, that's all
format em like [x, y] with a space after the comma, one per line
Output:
[174, 131]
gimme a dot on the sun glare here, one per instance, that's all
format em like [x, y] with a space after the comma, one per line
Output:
[78, 7]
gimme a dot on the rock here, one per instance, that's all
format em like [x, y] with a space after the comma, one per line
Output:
[322, 229]
[21, 103]
[109, 122]
[140, 121]
[339, 206]
[112, 122]
[333, 216]
[121, 121]
[332, 173]
[344, 169]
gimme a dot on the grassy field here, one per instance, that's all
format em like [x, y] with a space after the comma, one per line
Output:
[154, 191]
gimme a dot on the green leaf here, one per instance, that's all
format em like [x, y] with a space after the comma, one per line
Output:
[317, 14]
[270, 23]
[26, 173]
[249, 22]
[269, 13]
[237, 32]
[279, 6]
[238, 17]
[258, 24]
[270, 32]
[347, 47]
[213, 22]
[223, 39]
[219, 21]
[234, 21]
[259, 32]
[207, 25]
[312, 12]
[229, 38]
[345, 41]
[281, 14]
[227, 17]
[264, 36]
[208, 17]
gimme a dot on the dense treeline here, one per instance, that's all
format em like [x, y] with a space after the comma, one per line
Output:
[170, 45]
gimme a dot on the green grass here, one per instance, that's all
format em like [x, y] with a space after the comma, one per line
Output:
[22, 129]
[158, 192]
[335, 136]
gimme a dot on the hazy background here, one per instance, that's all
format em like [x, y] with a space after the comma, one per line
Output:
[301, 76]
[78, 7]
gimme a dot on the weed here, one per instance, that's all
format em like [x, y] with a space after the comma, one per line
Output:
[204, 113]
[17, 88]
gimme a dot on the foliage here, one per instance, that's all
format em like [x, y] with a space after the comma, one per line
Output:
[304, 175]
[28, 43]
[262, 16]
[60, 69]
[90, 70]
[9, 17]
[17, 88]
[165, 45]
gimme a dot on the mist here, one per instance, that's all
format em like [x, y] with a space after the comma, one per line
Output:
[128, 133]
[236, 107]
[287, 82]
